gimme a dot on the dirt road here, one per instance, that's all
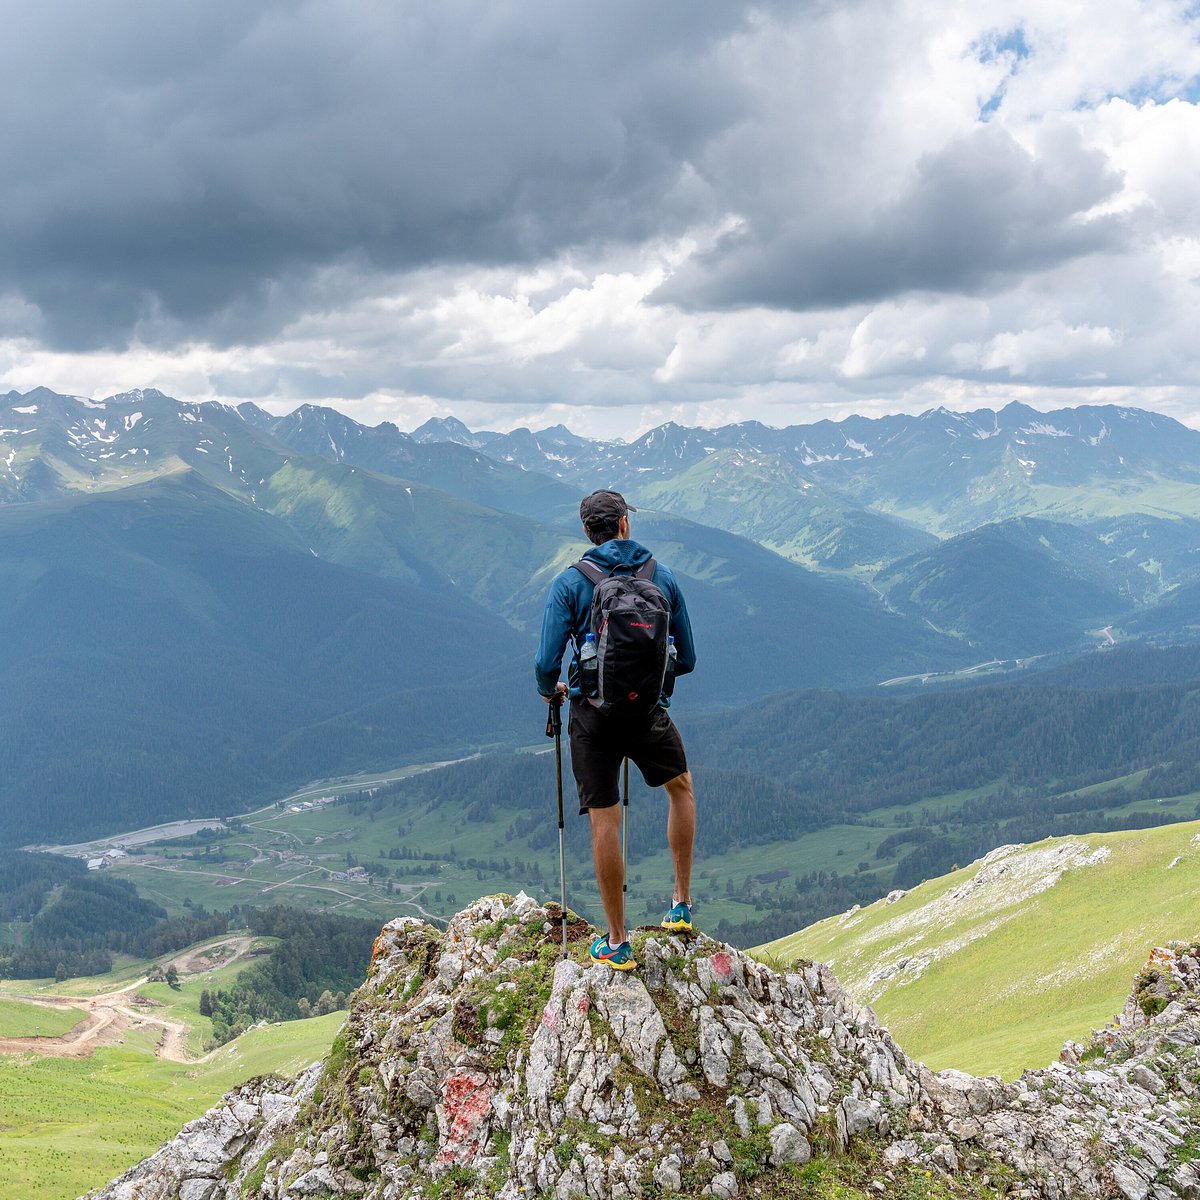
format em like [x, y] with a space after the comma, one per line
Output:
[113, 1014]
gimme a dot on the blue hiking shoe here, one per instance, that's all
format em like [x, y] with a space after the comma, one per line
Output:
[679, 919]
[620, 958]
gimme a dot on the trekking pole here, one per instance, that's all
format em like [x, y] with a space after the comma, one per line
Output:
[625, 835]
[554, 730]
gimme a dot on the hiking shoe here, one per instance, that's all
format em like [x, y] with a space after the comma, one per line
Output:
[620, 958]
[679, 919]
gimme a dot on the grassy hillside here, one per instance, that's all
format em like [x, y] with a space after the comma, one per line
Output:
[765, 497]
[992, 967]
[72, 1124]
[22, 1020]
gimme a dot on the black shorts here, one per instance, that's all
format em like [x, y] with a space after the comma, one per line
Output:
[600, 742]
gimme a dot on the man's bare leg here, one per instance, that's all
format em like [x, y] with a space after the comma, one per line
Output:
[681, 833]
[610, 871]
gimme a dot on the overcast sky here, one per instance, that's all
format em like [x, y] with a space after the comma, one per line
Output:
[606, 214]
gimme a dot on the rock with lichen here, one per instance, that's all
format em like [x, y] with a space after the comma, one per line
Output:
[476, 1062]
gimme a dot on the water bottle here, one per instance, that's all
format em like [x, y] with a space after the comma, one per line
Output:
[589, 668]
[669, 678]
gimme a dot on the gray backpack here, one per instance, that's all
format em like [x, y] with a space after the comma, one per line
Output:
[631, 620]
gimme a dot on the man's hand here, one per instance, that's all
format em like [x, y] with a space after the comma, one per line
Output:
[560, 694]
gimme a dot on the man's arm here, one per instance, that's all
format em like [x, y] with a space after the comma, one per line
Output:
[681, 630]
[557, 624]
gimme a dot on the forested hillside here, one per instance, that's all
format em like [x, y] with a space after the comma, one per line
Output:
[170, 652]
[70, 921]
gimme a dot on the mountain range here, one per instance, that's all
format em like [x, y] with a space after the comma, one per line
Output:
[204, 604]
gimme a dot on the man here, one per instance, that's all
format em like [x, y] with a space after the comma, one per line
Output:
[600, 741]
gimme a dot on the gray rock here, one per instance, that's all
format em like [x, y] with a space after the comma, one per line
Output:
[638, 1025]
[861, 1116]
[788, 1145]
[1132, 1185]
[667, 1174]
[320, 1181]
[716, 1046]
[724, 1186]
[421, 1087]
[1147, 1079]
[197, 1189]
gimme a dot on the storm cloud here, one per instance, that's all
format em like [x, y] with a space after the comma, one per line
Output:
[168, 161]
[979, 210]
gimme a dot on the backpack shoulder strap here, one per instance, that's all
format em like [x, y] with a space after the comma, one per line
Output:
[589, 570]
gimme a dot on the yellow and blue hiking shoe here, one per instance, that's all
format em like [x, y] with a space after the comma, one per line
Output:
[679, 919]
[620, 958]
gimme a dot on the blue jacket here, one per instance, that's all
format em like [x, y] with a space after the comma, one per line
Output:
[569, 609]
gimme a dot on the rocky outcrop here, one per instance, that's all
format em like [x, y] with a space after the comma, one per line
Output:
[477, 1063]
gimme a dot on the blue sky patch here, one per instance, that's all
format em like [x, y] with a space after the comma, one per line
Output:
[1003, 45]
[1008, 46]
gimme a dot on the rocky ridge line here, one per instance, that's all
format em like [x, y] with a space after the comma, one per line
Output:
[476, 1063]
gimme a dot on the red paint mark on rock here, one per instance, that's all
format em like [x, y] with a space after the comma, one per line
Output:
[584, 1004]
[722, 966]
[463, 1117]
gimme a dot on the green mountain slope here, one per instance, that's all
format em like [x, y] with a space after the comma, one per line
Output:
[1018, 588]
[390, 527]
[764, 497]
[170, 651]
[764, 623]
[991, 968]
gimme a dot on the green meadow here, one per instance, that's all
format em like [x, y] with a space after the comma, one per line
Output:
[68, 1125]
[20, 1020]
[1014, 972]
[71, 1124]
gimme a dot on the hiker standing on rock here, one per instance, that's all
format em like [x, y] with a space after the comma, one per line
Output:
[625, 615]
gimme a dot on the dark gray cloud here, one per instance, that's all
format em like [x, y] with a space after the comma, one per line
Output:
[976, 212]
[188, 166]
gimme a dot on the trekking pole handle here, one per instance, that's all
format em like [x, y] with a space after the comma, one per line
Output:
[554, 716]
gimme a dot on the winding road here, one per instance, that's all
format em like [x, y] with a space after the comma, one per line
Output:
[112, 1014]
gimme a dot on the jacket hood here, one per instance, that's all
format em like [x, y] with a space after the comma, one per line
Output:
[619, 553]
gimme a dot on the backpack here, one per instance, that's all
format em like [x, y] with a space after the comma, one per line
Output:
[630, 618]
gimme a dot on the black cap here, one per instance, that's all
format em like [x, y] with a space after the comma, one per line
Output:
[603, 508]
